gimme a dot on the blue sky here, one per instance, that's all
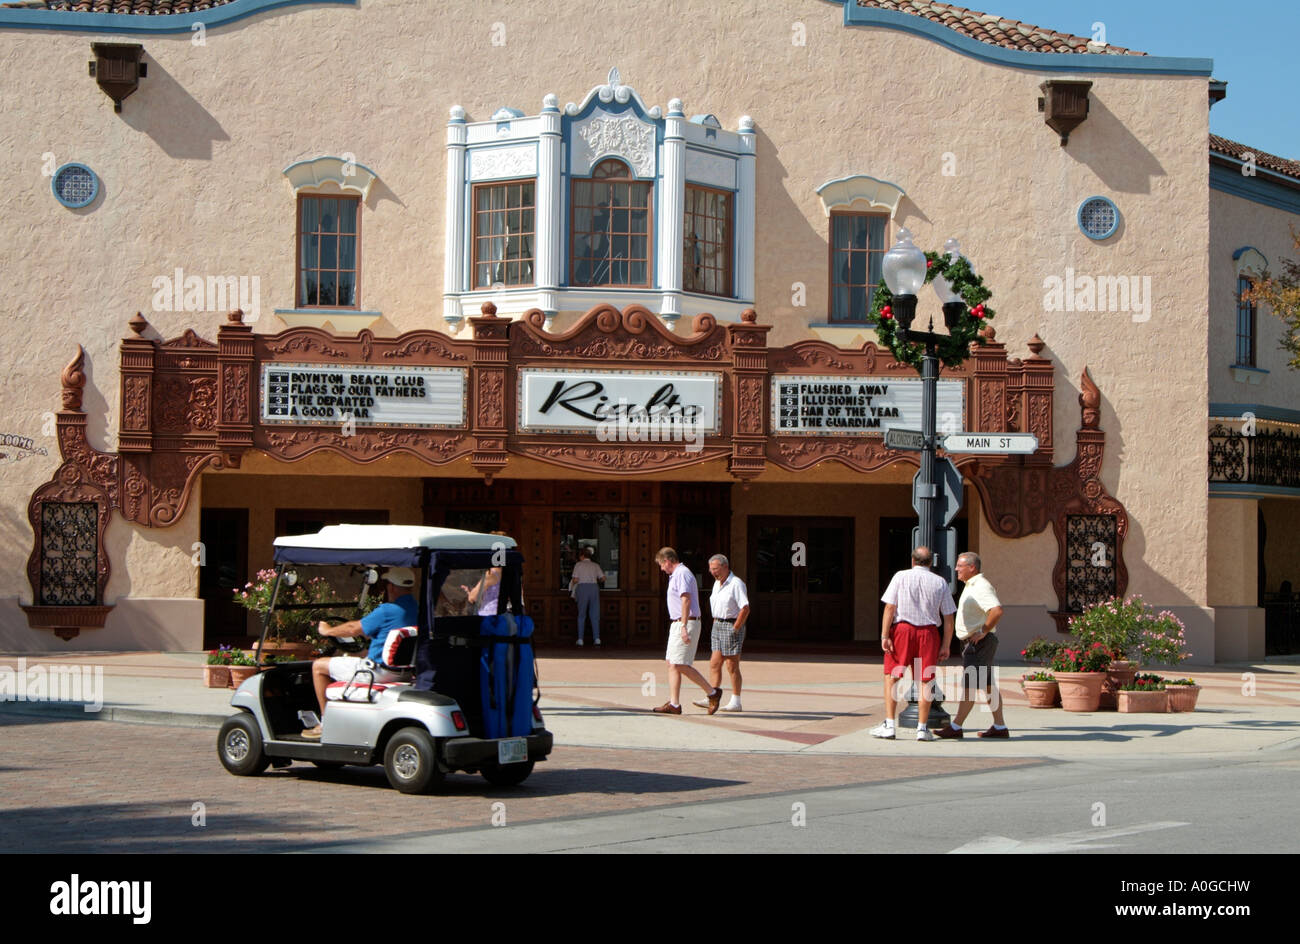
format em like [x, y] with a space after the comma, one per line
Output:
[1252, 45]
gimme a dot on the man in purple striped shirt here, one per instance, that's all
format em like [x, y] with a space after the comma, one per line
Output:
[916, 601]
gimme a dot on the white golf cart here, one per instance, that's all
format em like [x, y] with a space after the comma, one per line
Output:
[454, 692]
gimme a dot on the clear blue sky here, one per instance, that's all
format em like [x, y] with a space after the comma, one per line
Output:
[1253, 45]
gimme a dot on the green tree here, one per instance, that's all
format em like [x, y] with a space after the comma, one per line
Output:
[1281, 293]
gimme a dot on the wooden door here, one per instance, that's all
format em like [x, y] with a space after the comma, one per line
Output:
[801, 581]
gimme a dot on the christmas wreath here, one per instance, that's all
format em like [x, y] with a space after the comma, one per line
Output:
[954, 347]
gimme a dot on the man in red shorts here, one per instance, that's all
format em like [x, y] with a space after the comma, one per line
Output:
[915, 603]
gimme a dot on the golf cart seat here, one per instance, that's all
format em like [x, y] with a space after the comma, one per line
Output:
[373, 678]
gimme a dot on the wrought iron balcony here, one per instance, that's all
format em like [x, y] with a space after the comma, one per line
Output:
[1268, 457]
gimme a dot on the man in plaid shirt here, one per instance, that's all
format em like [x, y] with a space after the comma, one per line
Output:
[916, 601]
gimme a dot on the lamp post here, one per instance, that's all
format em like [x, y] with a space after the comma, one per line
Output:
[904, 269]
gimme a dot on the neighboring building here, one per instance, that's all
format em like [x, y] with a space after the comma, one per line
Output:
[442, 266]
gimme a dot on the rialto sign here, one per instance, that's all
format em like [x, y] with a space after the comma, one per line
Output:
[859, 405]
[582, 401]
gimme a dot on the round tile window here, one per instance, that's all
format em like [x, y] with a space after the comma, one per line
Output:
[1098, 218]
[75, 185]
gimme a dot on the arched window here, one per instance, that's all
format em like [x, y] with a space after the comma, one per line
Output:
[1245, 324]
[610, 228]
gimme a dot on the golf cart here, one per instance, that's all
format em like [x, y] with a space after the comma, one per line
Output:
[454, 692]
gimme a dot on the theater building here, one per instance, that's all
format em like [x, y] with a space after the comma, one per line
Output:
[580, 217]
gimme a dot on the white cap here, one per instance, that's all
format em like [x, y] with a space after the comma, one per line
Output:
[400, 576]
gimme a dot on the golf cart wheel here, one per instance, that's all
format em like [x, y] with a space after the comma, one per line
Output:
[239, 745]
[411, 761]
[511, 775]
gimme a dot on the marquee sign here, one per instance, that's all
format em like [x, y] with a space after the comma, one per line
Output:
[580, 401]
[331, 395]
[856, 406]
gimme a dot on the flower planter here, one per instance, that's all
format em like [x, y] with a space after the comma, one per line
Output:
[1080, 691]
[1118, 674]
[1042, 694]
[1144, 702]
[1182, 697]
[240, 674]
[216, 676]
[293, 650]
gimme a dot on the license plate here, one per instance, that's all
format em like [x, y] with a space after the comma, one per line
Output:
[512, 751]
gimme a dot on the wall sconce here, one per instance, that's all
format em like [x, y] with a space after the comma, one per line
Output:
[118, 69]
[1064, 105]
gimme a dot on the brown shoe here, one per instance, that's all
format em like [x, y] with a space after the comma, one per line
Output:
[993, 732]
[950, 733]
[312, 734]
[715, 699]
[668, 708]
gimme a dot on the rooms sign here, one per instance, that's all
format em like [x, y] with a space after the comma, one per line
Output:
[849, 406]
[334, 395]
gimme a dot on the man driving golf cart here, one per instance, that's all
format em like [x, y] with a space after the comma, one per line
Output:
[400, 610]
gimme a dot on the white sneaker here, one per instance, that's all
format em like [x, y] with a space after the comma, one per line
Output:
[597, 642]
[701, 703]
[580, 642]
[730, 706]
[923, 734]
[883, 730]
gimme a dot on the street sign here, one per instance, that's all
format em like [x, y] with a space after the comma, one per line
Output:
[949, 491]
[992, 443]
[910, 439]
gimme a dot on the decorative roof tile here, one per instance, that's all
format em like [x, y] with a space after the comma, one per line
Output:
[126, 7]
[997, 30]
[1237, 150]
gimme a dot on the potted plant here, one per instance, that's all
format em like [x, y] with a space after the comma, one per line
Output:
[242, 667]
[1135, 636]
[1041, 689]
[1040, 651]
[1146, 693]
[216, 673]
[1182, 694]
[291, 630]
[1080, 672]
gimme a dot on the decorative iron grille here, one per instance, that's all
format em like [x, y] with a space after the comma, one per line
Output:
[1269, 457]
[69, 553]
[1090, 547]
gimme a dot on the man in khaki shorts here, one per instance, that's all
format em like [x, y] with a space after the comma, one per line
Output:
[683, 634]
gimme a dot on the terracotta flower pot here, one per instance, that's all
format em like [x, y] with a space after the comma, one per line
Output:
[1080, 691]
[1118, 674]
[216, 676]
[1144, 702]
[1042, 694]
[1182, 697]
[240, 674]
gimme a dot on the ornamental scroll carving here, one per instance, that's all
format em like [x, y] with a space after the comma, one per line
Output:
[625, 136]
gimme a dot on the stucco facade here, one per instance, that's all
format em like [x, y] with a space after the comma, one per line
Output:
[192, 178]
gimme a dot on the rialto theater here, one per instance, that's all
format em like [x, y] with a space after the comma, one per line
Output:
[593, 275]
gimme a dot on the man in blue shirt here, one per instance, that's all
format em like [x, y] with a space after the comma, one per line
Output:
[400, 610]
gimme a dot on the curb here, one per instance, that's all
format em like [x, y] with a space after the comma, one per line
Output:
[64, 711]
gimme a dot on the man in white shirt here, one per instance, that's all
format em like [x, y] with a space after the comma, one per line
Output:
[683, 634]
[915, 603]
[729, 604]
[978, 613]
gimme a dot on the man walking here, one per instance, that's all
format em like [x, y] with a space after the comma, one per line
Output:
[683, 634]
[729, 604]
[978, 612]
[915, 603]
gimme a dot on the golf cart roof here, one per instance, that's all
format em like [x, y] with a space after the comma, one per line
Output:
[392, 546]
[364, 537]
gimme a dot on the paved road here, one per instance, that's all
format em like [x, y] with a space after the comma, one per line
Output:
[79, 786]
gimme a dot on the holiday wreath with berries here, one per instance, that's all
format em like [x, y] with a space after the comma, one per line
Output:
[954, 347]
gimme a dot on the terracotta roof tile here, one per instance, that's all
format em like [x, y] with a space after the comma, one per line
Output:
[997, 30]
[1263, 159]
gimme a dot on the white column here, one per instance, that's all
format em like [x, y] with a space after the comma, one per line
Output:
[550, 217]
[453, 273]
[745, 214]
[672, 213]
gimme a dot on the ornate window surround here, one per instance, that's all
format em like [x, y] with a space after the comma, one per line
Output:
[324, 176]
[1248, 262]
[669, 150]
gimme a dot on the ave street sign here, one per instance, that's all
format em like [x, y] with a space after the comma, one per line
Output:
[992, 443]
[949, 491]
[911, 439]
